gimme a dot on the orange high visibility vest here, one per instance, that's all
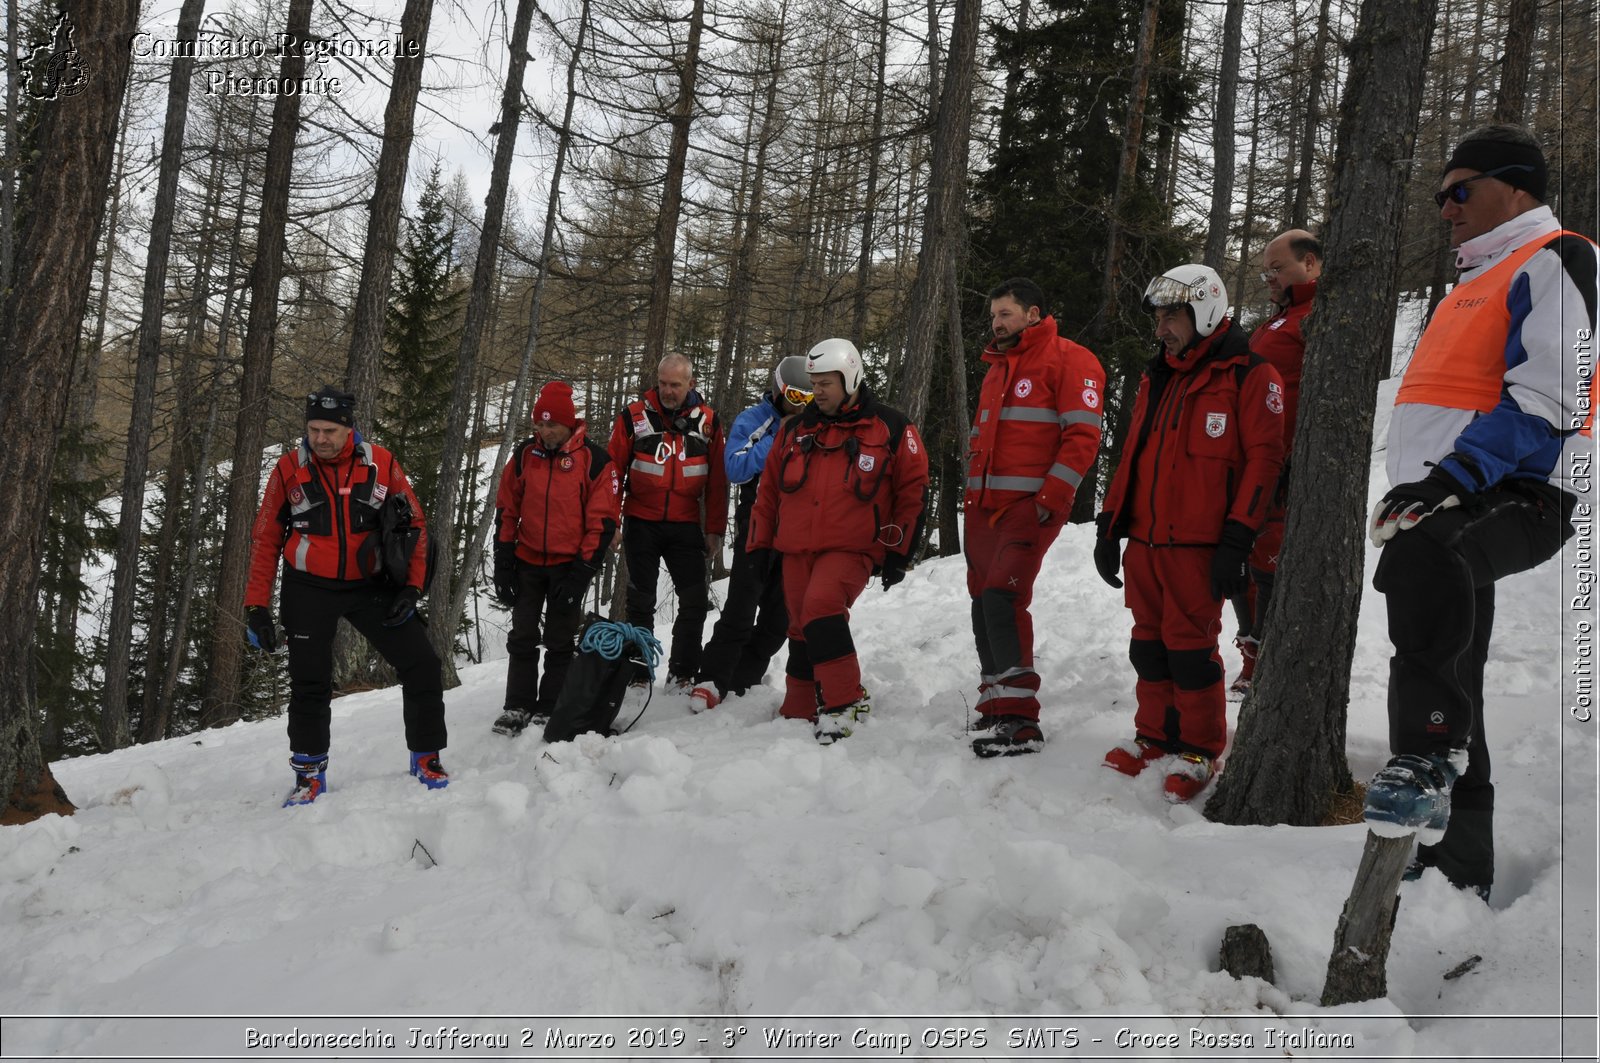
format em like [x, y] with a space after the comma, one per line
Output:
[1460, 361]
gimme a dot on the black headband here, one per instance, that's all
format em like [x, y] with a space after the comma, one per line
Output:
[1486, 155]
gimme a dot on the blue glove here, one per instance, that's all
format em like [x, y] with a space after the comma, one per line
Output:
[404, 607]
[263, 633]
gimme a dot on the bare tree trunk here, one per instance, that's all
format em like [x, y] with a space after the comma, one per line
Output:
[1308, 140]
[666, 241]
[8, 182]
[1511, 99]
[1222, 133]
[1127, 171]
[442, 525]
[114, 730]
[869, 202]
[1247, 225]
[519, 392]
[220, 701]
[941, 225]
[738, 302]
[1288, 754]
[377, 261]
[40, 317]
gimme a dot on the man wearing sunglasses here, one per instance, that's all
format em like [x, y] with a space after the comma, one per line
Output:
[320, 511]
[753, 623]
[1034, 437]
[1490, 433]
[667, 446]
[1290, 266]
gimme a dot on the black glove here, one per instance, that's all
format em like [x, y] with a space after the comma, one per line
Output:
[1107, 551]
[894, 569]
[404, 607]
[568, 589]
[763, 561]
[263, 633]
[1408, 504]
[1230, 565]
[505, 573]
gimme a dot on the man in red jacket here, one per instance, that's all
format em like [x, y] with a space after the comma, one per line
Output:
[1034, 437]
[1191, 490]
[321, 512]
[841, 497]
[1290, 266]
[667, 447]
[556, 511]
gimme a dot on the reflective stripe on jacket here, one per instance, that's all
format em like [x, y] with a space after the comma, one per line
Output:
[670, 460]
[317, 515]
[1037, 426]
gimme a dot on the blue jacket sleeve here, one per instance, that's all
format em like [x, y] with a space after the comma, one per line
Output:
[748, 442]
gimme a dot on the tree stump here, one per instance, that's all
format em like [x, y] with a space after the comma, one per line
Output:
[1356, 969]
[1245, 952]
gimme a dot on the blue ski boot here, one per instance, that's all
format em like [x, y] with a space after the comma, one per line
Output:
[428, 770]
[1411, 794]
[310, 778]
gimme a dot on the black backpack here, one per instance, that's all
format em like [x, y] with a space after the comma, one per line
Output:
[385, 556]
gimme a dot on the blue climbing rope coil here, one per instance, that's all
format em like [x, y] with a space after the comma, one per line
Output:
[610, 639]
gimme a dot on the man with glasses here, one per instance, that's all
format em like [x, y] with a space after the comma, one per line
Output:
[667, 446]
[1034, 437]
[321, 511]
[753, 622]
[1490, 433]
[1290, 266]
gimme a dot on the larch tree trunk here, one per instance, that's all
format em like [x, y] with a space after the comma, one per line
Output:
[666, 235]
[361, 370]
[442, 513]
[484, 525]
[114, 729]
[1288, 754]
[40, 317]
[1248, 223]
[8, 166]
[1510, 101]
[941, 224]
[1222, 133]
[869, 200]
[220, 700]
[1127, 172]
[1301, 207]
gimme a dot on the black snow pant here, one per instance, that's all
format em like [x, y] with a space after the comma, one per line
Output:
[525, 689]
[682, 545]
[311, 614]
[753, 624]
[1438, 580]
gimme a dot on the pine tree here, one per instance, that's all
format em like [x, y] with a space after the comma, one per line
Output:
[423, 335]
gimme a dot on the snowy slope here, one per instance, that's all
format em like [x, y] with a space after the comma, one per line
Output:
[725, 865]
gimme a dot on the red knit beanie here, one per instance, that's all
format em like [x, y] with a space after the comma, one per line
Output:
[555, 405]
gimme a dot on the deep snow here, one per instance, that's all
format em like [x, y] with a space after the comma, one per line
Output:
[724, 865]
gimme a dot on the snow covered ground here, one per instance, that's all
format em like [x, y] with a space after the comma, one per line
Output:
[707, 875]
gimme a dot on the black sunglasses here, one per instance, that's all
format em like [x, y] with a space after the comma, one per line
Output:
[330, 402]
[1458, 192]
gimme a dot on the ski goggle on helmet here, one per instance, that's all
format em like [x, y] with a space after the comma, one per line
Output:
[791, 382]
[1197, 287]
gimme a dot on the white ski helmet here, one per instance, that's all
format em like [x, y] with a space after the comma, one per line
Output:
[1195, 286]
[837, 356]
[789, 373]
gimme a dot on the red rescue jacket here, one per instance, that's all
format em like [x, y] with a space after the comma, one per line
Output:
[318, 514]
[1281, 342]
[558, 505]
[1205, 445]
[670, 460]
[856, 482]
[1037, 427]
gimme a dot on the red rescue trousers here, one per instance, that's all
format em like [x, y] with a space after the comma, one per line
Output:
[1181, 703]
[1004, 549]
[819, 590]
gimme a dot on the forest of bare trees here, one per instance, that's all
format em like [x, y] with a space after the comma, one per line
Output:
[573, 188]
